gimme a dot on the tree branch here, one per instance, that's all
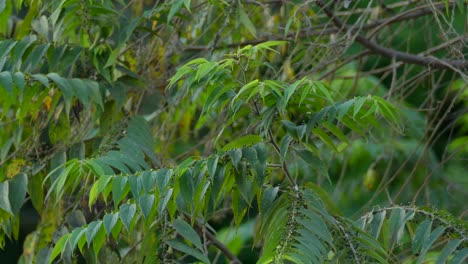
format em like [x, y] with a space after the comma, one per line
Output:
[218, 244]
[319, 30]
[391, 53]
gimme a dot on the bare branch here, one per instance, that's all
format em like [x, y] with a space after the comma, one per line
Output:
[218, 244]
[391, 53]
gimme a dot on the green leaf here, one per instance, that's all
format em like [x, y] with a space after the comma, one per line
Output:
[119, 189]
[135, 186]
[36, 191]
[460, 257]
[251, 87]
[59, 247]
[396, 223]
[98, 241]
[187, 4]
[314, 162]
[344, 108]
[175, 8]
[376, 224]
[236, 156]
[20, 49]
[184, 70]
[211, 165]
[214, 96]
[103, 182]
[20, 82]
[386, 109]
[239, 206]
[268, 198]
[109, 221]
[163, 202]
[204, 69]
[18, 187]
[146, 204]
[75, 236]
[6, 81]
[35, 56]
[449, 248]
[91, 230]
[188, 250]
[325, 138]
[245, 20]
[268, 44]
[4, 198]
[288, 92]
[421, 235]
[80, 90]
[147, 180]
[429, 242]
[65, 87]
[5, 47]
[58, 185]
[93, 194]
[185, 230]
[94, 92]
[42, 79]
[242, 142]
[358, 105]
[127, 213]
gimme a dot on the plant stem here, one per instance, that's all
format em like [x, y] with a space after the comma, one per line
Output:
[218, 244]
[284, 165]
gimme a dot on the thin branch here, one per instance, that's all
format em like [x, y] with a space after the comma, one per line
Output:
[319, 30]
[218, 244]
[391, 53]
[407, 15]
[277, 148]
[284, 165]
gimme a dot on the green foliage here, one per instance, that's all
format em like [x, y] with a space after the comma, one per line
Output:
[135, 144]
[398, 228]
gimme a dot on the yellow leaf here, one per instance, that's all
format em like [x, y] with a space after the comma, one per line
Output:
[288, 71]
[47, 102]
[370, 178]
[14, 167]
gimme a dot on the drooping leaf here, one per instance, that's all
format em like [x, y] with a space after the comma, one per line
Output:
[109, 222]
[314, 162]
[119, 189]
[18, 187]
[127, 214]
[59, 247]
[6, 82]
[91, 230]
[185, 230]
[188, 250]
[4, 198]
[146, 204]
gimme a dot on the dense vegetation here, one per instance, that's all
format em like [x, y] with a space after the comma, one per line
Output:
[233, 131]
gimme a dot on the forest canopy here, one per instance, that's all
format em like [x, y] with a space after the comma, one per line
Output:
[233, 131]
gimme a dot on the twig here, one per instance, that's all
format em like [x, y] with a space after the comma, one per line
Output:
[319, 30]
[391, 53]
[218, 244]
[407, 15]
[284, 165]
[226, 22]
[276, 147]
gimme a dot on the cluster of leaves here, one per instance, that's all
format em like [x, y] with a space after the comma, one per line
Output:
[237, 139]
